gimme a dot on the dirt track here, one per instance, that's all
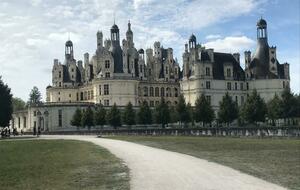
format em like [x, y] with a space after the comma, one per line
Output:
[157, 169]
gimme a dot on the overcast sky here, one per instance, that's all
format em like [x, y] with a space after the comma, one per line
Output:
[33, 32]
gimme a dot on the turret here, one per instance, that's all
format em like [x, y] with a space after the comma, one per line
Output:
[192, 42]
[247, 55]
[129, 35]
[69, 50]
[236, 57]
[99, 39]
[262, 29]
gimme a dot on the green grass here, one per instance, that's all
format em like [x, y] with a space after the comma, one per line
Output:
[59, 164]
[274, 160]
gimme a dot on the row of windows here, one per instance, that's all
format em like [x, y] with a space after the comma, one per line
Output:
[158, 92]
[229, 87]
[86, 95]
[155, 103]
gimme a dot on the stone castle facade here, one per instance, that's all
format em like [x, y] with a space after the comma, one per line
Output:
[118, 73]
[214, 73]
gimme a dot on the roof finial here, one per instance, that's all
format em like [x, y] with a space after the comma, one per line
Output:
[114, 17]
[69, 36]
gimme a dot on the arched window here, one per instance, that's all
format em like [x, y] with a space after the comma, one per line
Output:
[176, 92]
[145, 91]
[156, 92]
[162, 92]
[151, 91]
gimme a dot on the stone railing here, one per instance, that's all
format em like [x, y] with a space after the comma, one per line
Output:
[208, 131]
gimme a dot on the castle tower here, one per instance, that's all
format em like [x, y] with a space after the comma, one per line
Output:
[129, 35]
[99, 40]
[260, 63]
[247, 55]
[192, 42]
[116, 49]
[69, 50]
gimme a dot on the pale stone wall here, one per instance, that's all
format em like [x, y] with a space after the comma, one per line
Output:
[193, 88]
[267, 88]
[46, 117]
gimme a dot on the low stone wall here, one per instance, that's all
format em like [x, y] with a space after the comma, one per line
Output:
[221, 132]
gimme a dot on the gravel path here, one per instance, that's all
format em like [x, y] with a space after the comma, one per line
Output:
[157, 169]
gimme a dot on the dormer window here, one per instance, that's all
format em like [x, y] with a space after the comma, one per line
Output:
[207, 71]
[107, 64]
[228, 71]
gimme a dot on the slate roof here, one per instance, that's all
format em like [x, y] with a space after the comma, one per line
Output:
[218, 66]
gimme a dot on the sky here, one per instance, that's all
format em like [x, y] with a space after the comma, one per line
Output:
[33, 32]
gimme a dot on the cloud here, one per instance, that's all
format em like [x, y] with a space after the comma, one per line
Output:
[231, 44]
[32, 36]
[213, 36]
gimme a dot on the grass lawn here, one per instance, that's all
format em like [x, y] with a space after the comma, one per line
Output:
[275, 160]
[59, 164]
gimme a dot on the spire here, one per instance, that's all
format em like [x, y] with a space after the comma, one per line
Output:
[129, 25]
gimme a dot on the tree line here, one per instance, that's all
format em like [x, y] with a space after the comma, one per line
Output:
[10, 104]
[254, 110]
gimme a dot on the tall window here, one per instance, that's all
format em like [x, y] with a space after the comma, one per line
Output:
[157, 92]
[59, 74]
[106, 102]
[242, 86]
[228, 86]
[176, 92]
[99, 89]
[151, 91]
[60, 118]
[207, 84]
[235, 86]
[145, 91]
[208, 98]
[106, 89]
[92, 94]
[167, 70]
[162, 92]
[207, 71]
[228, 72]
[107, 64]
[107, 75]
[247, 86]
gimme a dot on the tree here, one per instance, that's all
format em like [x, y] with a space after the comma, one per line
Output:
[203, 111]
[183, 113]
[144, 114]
[129, 115]
[173, 114]
[100, 116]
[288, 105]
[76, 120]
[228, 110]
[35, 96]
[254, 109]
[6, 107]
[18, 104]
[162, 114]
[113, 116]
[88, 118]
[274, 109]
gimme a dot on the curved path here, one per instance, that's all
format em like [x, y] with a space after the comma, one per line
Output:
[157, 169]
